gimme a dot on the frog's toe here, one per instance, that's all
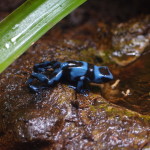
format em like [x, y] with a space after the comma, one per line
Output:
[84, 92]
[34, 88]
[73, 87]
[37, 89]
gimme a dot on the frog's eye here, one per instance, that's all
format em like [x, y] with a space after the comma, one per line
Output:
[104, 71]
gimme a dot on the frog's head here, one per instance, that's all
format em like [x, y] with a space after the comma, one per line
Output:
[103, 74]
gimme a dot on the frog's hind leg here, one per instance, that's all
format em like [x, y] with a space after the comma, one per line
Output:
[33, 88]
[55, 78]
[42, 67]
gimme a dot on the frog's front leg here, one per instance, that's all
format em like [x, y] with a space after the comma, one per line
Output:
[42, 67]
[80, 84]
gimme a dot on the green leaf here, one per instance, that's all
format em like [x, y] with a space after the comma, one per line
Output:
[28, 23]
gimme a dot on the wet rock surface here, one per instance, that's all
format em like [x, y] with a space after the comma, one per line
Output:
[115, 115]
[130, 39]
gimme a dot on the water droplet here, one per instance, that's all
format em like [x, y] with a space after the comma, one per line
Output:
[7, 45]
[14, 39]
[16, 26]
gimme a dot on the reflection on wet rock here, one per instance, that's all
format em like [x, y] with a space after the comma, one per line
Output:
[130, 40]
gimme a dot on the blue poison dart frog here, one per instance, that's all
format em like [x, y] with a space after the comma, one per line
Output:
[76, 73]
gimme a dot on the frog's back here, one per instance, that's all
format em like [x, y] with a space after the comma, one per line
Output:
[71, 64]
[76, 69]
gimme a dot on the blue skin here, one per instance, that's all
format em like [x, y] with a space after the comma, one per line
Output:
[77, 73]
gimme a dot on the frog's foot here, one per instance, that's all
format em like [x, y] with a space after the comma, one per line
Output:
[84, 92]
[73, 87]
[36, 89]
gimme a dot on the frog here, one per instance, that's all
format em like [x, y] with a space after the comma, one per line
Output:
[76, 73]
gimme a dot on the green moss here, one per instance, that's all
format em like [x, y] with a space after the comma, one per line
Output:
[121, 112]
[125, 112]
[88, 55]
[106, 55]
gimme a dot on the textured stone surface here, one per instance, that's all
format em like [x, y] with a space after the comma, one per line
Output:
[60, 118]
